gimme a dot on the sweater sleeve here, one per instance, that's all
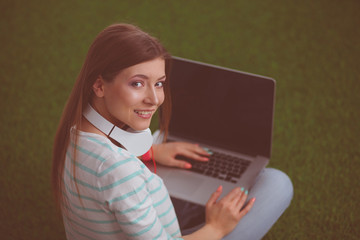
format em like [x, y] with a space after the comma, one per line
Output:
[140, 202]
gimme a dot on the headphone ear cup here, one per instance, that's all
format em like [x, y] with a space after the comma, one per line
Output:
[135, 142]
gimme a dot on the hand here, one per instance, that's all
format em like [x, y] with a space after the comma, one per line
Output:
[165, 153]
[224, 215]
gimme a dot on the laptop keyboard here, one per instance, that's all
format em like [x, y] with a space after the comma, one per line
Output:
[221, 166]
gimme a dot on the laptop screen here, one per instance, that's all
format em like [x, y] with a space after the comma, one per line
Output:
[222, 107]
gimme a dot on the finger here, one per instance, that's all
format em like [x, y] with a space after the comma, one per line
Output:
[180, 164]
[187, 150]
[195, 156]
[247, 208]
[195, 148]
[214, 197]
[241, 200]
[202, 151]
[233, 195]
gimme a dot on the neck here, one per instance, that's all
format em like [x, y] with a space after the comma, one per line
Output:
[86, 126]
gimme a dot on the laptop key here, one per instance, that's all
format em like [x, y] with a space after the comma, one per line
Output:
[197, 170]
[228, 179]
[234, 175]
[209, 173]
[220, 166]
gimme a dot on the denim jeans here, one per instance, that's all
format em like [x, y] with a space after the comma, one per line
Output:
[273, 191]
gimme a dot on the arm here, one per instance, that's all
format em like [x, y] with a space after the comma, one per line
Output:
[139, 201]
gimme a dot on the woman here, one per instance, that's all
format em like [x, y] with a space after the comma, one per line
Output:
[103, 190]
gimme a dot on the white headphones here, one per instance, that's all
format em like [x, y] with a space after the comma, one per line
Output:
[135, 142]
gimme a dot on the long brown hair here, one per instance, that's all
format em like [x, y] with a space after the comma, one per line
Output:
[115, 48]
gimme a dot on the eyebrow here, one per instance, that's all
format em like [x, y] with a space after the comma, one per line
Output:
[146, 77]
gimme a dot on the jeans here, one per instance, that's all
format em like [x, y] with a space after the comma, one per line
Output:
[273, 191]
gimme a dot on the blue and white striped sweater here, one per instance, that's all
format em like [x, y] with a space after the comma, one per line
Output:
[118, 197]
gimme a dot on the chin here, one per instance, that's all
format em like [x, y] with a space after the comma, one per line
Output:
[140, 127]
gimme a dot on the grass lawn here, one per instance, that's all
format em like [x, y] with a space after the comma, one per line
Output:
[312, 49]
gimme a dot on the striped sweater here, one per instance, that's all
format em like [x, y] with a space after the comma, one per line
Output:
[118, 197]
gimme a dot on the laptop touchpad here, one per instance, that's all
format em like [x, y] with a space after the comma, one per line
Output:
[182, 184]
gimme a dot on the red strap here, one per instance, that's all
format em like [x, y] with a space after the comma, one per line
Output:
[152, 155]
[148, 156]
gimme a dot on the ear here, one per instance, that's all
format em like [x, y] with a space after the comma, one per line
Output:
[98, 87]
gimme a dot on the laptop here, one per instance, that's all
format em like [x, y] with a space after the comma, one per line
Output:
[230, 113]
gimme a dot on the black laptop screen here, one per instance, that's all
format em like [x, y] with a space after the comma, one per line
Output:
[222, 107]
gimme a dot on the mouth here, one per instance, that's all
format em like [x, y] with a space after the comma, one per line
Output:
[146, 114]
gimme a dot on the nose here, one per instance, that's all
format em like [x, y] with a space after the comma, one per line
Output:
[152, 97]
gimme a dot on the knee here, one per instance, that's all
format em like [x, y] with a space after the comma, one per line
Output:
[282, 183]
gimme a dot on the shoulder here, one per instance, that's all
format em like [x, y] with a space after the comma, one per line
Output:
[102, 153]
[107, 169]
[103, 160]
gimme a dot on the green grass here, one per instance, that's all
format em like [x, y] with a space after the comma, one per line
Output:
[312, 49]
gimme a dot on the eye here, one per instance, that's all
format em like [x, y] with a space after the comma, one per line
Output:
[137, 84]
[160, 84]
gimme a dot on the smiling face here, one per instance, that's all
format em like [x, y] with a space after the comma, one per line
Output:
[133, 96]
